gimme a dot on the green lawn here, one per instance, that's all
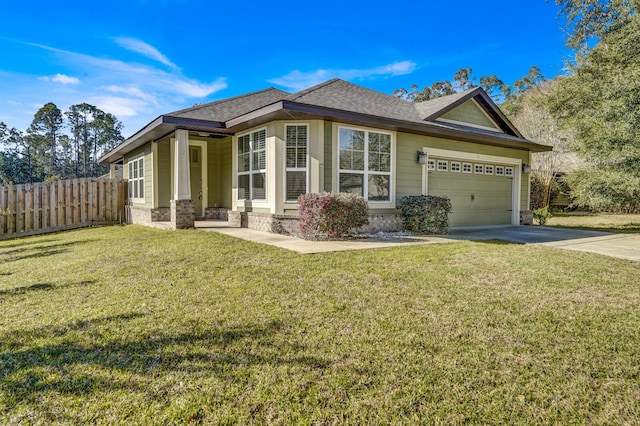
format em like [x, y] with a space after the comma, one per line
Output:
[623, 223]
[132, 325]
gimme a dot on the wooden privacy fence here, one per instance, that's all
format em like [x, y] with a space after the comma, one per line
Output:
[55, 206]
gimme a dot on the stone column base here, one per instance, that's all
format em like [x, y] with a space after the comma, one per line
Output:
[183, 214]
[526, 217]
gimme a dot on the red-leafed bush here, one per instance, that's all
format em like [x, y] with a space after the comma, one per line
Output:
[327, 216]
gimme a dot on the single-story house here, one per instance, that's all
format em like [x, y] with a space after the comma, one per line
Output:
[246, 159]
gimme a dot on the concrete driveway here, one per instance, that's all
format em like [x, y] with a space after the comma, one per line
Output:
[623, 246]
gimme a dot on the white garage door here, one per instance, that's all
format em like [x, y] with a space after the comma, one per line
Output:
[480, 193]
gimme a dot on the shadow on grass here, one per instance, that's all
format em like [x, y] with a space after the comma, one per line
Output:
[499, 242]
[33, 252]
[67, 366]
[41, 287]
[25, 243]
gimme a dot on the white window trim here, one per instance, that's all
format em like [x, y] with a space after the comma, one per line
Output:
[470, 168]
[431, 164]
[479, 167]
[457, 165]
[443, 165]
[486, 166]
[501, 168]
[288, 169]
[516, 163]
[134, 181]
[251, 172]
[391, 203]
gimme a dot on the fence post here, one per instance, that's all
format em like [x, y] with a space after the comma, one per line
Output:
[45, 205]
[3, 209]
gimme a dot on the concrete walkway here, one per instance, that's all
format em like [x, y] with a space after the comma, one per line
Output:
[309, 247]
[623, 246]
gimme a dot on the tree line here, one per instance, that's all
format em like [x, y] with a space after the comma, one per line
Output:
[590, 115]
[58, 145]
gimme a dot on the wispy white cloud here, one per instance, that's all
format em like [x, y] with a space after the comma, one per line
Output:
[134, 92]
[119, 106]
[299, 80]
[131, 91]
[145, 49]
[61, 78]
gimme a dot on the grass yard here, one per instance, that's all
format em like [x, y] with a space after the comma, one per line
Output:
[132, 325]
[623, 223]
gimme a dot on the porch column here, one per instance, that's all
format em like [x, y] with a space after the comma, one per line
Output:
[182, 209]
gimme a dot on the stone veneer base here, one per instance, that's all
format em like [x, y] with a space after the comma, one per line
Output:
[288, 224]
[526, 217]
[182, 214]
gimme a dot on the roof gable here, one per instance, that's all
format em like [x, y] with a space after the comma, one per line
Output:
[442, 108]
[470, 113]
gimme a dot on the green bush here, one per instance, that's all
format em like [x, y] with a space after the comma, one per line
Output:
[329, 216]
[425, 214]
[606, 190]
[542, 215]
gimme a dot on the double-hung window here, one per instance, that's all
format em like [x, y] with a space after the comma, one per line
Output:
[365, 163]
[136, 179]
[252, 166]
[296, 160]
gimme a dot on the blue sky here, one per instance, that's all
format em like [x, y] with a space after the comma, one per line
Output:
[141, 58]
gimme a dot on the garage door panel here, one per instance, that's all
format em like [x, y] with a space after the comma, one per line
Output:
[475, 199]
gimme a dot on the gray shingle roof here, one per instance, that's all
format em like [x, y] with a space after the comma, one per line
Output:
[342, 95]
[226, 109]
[337, 95]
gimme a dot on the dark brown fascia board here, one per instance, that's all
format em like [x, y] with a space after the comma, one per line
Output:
[274, 107]
[142, 136]
[495, 109]
[418, 128]
[454, 104]
[191, 122]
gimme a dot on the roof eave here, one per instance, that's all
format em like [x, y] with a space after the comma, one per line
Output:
[162, 125]
[498, 139]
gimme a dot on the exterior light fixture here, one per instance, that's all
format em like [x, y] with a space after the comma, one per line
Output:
[526, 168]
[421, 157]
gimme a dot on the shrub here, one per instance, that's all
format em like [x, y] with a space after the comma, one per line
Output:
[425, 214]
[329, 216]
[542, 215]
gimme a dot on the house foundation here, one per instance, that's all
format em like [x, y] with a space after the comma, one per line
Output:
[289, 224]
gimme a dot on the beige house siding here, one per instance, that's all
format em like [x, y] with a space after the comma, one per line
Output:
[469, 112]
[225, 175]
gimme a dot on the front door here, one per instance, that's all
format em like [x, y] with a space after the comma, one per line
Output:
[195, 161]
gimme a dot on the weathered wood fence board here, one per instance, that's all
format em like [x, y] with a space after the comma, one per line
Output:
[55, 206]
